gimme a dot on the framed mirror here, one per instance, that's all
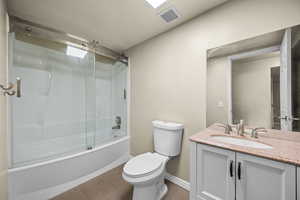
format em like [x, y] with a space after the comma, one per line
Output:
[257, 80]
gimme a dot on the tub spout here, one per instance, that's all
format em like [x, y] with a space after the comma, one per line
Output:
[118, 122]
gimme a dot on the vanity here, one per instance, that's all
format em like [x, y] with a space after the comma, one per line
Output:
[253, 83]
[227, 167]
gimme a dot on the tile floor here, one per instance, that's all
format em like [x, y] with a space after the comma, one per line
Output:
[111, 186]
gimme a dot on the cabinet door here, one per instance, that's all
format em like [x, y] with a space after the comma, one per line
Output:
[298, 183]
[263, 179]
[215, 173]
[193, 171]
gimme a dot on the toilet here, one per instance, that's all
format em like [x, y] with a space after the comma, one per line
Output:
[146, 172]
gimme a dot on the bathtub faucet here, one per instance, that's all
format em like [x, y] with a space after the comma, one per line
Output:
[118, 122]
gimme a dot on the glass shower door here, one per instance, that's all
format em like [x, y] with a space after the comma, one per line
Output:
[119, 98]
[111, 100]
[56, 114]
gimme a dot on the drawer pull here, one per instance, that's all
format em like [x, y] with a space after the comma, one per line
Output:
[239, 170]
[231, 168]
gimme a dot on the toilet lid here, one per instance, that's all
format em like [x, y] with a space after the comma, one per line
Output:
[143, 164]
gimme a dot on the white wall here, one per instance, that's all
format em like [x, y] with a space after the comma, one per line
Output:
[3, 110]
[168, 72]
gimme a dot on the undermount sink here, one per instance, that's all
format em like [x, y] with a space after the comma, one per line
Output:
[241, 142]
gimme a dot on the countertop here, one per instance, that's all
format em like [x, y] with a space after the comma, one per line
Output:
[285, 145]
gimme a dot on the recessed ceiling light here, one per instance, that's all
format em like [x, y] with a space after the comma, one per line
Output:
[72, 51]
[156, 3]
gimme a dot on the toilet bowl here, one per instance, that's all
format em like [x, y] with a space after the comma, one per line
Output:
[146, 172]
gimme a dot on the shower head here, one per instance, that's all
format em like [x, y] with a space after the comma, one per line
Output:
[123, 59]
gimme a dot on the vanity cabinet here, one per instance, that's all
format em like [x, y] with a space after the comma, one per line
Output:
[215, 173]
[220, 174]
[260, 179]
[298, 183]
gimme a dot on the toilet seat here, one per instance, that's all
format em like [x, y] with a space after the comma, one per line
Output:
[143, 165]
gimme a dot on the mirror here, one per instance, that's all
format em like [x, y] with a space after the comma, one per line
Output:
[257, 80]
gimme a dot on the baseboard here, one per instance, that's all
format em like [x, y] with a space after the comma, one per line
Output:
[178, 181]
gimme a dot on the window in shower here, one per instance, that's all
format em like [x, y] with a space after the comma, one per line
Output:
[68, 104]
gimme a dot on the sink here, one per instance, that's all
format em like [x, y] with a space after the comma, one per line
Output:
[241, 142]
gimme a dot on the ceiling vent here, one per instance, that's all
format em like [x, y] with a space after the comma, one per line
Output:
[169, 15]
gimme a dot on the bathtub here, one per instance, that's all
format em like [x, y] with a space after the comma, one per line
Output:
[47, 179]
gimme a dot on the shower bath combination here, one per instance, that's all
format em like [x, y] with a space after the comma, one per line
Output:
[86, 88]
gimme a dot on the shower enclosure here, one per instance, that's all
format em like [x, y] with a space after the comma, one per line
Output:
[72, 100]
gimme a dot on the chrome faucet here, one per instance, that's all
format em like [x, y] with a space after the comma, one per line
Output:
[228, 127]
[255, 131]
[240, 128]
[118, 123]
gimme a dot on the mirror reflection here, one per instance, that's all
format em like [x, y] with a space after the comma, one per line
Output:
[256, 80]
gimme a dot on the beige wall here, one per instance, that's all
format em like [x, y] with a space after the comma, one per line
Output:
[3, 66]
[251, 78]
[168, 72]
[217, 96]
[251, 88]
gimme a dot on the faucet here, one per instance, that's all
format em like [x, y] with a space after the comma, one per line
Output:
[118, 122]
[240, 128]
[228, 127]
[254, 131]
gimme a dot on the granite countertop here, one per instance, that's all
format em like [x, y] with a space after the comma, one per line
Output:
[285, 145]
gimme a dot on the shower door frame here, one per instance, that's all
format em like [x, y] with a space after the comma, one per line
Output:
[20, 25]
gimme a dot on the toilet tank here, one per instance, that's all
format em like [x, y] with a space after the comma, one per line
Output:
[167, 137]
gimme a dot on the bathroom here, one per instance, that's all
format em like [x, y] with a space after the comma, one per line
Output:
[99, 97]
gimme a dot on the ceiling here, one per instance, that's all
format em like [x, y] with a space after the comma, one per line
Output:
[117, 24]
